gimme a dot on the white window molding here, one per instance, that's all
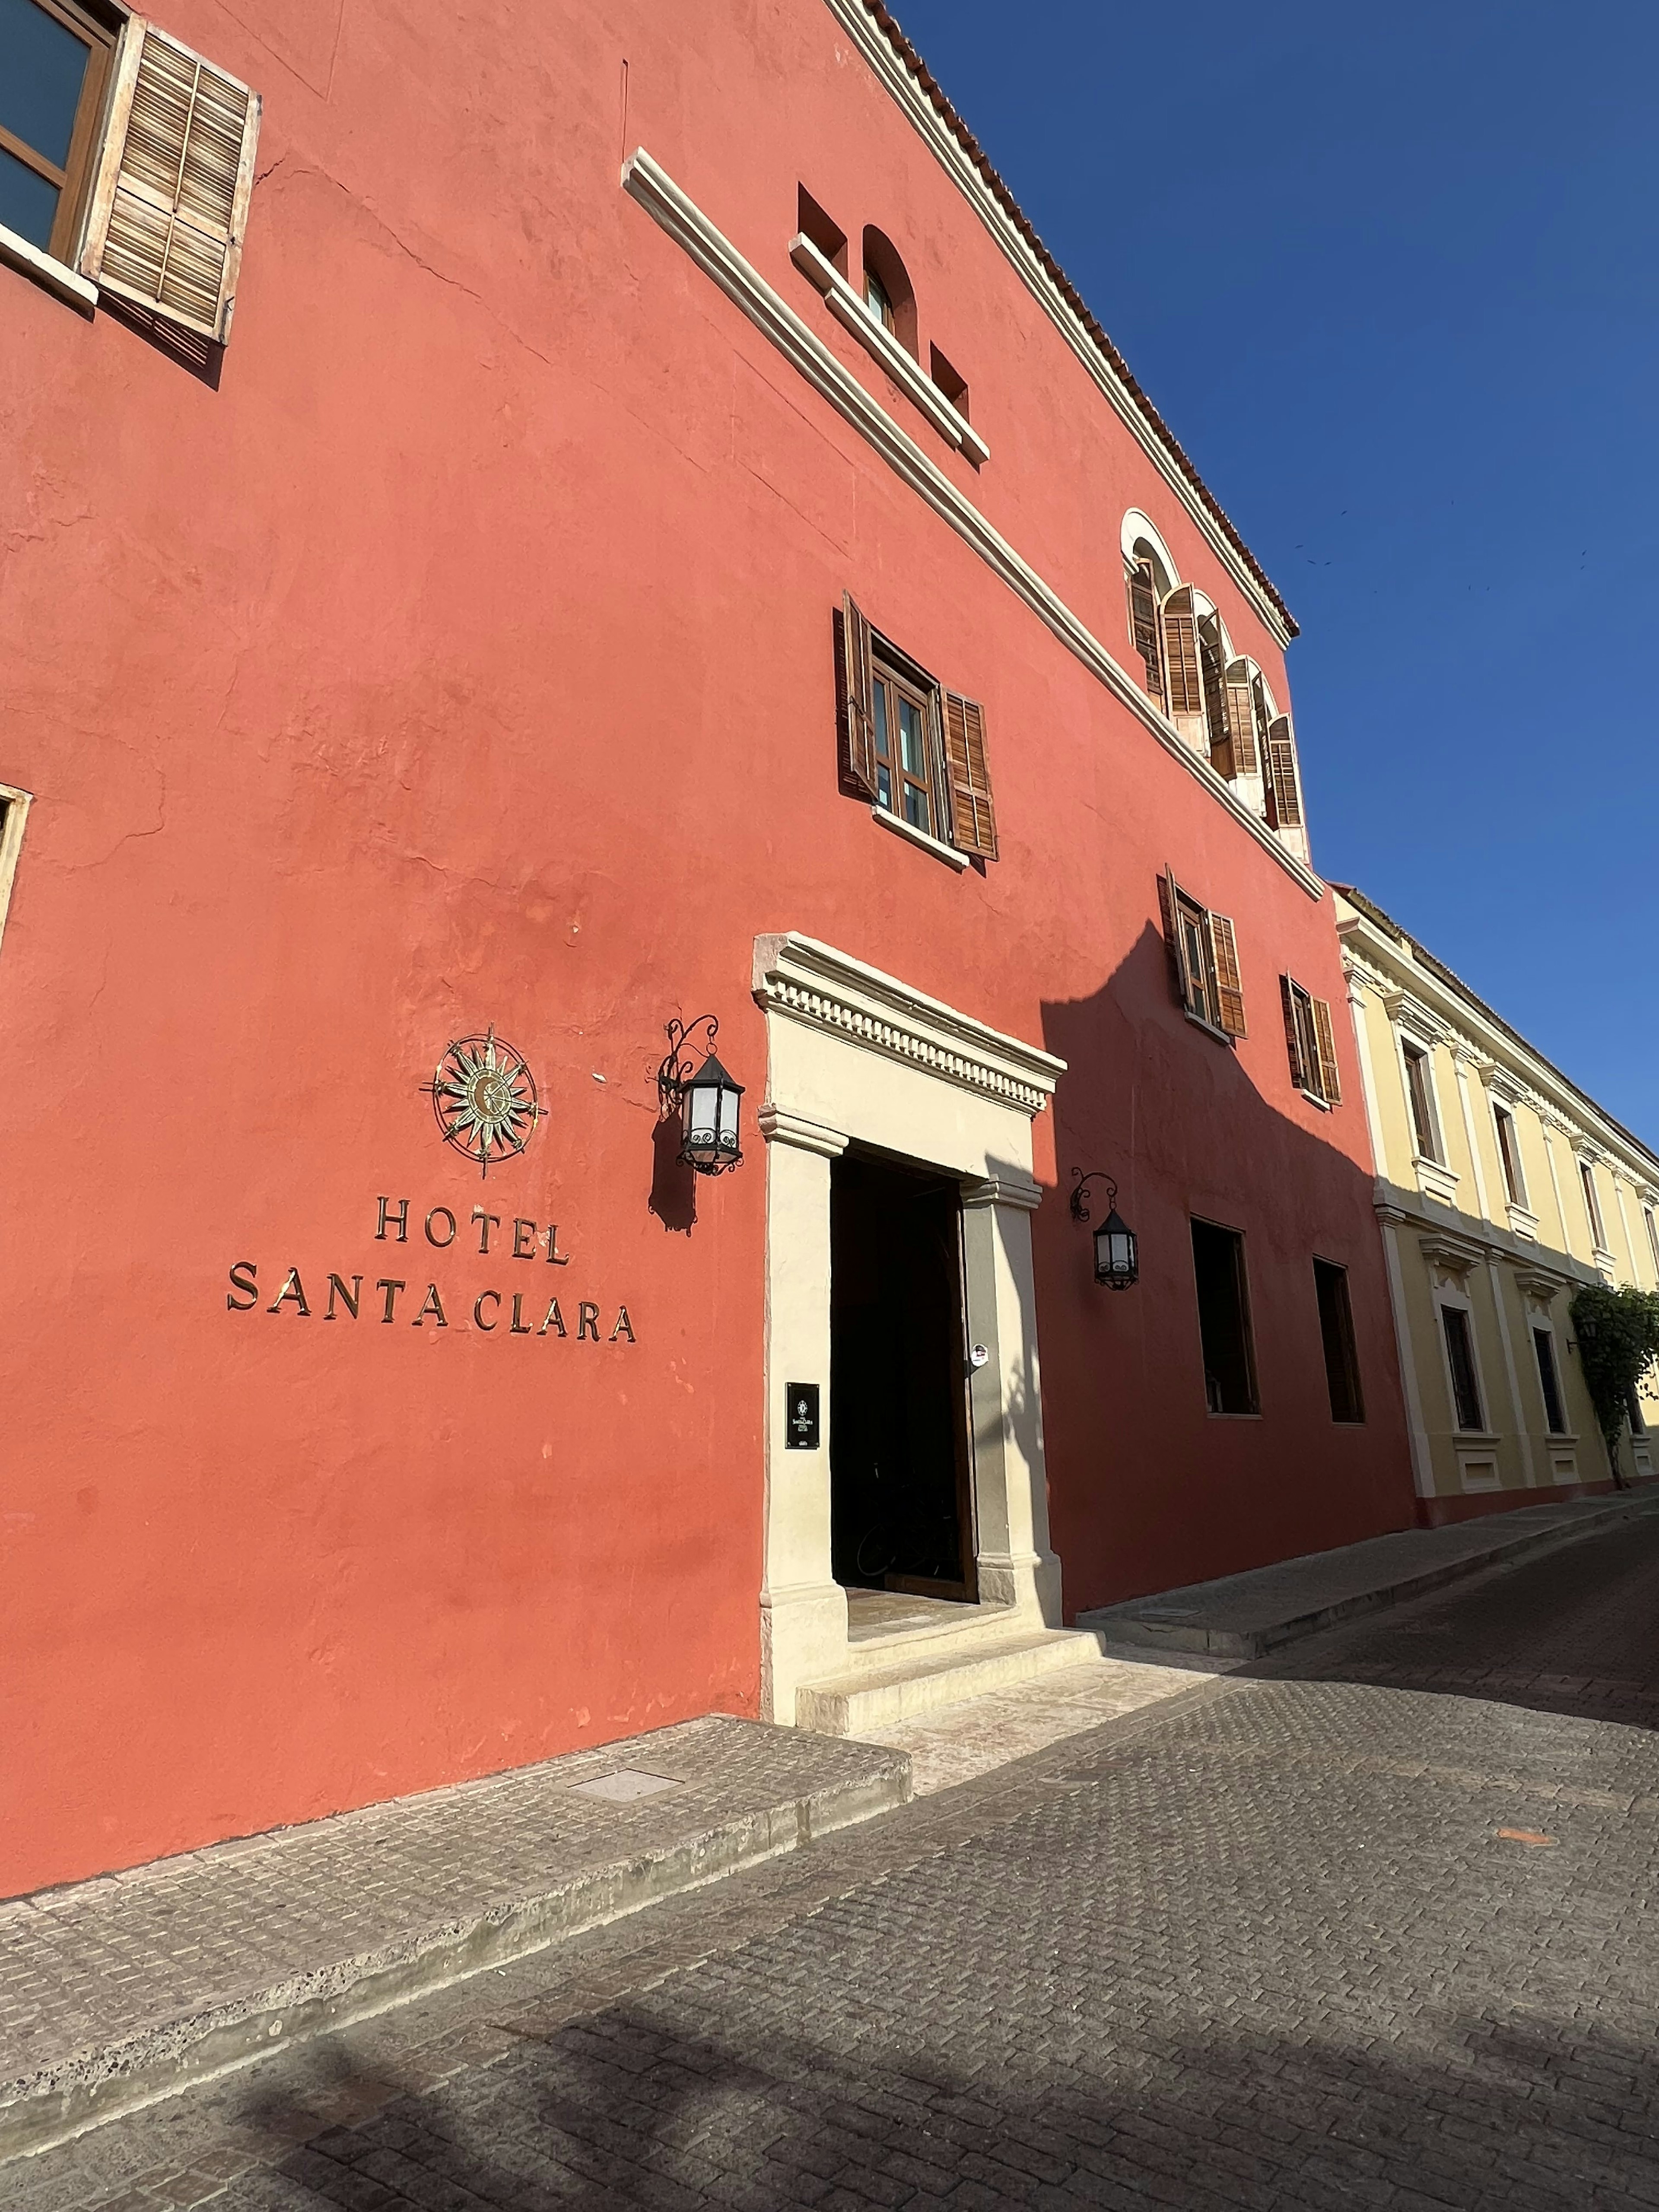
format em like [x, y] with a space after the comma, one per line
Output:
[936, 846]
[853, 315]
[802, 980]
[68, 284]
[646, 181]
[15, 806]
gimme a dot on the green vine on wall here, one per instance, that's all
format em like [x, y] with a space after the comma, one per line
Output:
[1618, 1334]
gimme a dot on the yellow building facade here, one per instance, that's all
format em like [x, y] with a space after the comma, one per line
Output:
[1500, 1189]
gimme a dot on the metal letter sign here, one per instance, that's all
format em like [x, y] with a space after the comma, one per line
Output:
[803, 1402]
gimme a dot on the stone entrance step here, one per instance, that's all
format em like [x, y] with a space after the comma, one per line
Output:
[896, 1677]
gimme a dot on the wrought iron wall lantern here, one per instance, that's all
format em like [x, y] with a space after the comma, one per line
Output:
[707, 1098]
[1117, 1251]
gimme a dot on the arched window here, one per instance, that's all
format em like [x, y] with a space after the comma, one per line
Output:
[1150, 584]
[888, 291]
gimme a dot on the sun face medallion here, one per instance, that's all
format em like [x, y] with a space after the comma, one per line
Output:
[484, 1097]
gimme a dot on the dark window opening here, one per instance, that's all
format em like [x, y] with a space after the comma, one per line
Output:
[887, 289]
[1419, 1083]
[1341, 1353]
[813, 223]
[1459, 1356]
[54, 61]
[954, 387]
[1592, 1206]
[907, 749]
[1638, 1427]
[1224, 1320]
[1543, 1343]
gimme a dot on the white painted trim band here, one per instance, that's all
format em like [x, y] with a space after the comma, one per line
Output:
[645, 180]
[28, 260]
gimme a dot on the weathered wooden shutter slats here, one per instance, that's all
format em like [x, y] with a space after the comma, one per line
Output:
[1240, 708]
[1229, 989]
[1299, 1072]
[1284, 787]
[858, 705]
[972, 813]
[170, 206]
[1330, 1081]
[1185, 677]
[1215, 696]
[1169, 899]
[1147, 628]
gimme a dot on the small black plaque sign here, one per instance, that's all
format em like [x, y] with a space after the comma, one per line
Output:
[802, 1399]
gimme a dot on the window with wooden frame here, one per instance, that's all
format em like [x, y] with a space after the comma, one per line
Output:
[915, 749]
[54, 62]
[1311, 1043]
[1460, 1360]
[1419, 1092]
[1283, 778]
[126, 155]
[1592, 1205]
[1148, 584]
[1244, 723]
[1336, 1334]
[1549, 1381]
[1203, 960]
[1653, 1237]
[1508, 1155]
[13, 811]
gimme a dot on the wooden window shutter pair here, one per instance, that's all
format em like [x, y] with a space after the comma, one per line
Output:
[1284, 787]
[1222, 985]
[170, 205]
[1147, 628]
[1311, 1043]
[1215, 696]
[966, 774]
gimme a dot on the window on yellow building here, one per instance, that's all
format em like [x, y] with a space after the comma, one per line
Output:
[1592, 1205]
[1509, 1154]
[1460, 1358]
[1420, 1089]
[1543, 1344]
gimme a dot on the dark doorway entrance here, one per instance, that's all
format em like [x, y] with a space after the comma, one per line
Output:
[901, 1506]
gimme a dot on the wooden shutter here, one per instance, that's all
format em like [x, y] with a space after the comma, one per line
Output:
[1146, 627]
[1301, 1075]
[1229, 990]
[973, 816]
[858, 701]
[1283, 790]
[1169, 898]
[1185, 677]
[1215, 695]
[1330, 1082]
[170, 205]
[1241, 718]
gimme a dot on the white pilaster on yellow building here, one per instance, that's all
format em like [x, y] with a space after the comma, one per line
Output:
[1501, 1188]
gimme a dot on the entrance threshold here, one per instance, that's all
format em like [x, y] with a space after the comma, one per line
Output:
[872, 1613]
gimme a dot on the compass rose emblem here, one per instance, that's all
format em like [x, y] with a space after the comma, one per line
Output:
[484, 1097]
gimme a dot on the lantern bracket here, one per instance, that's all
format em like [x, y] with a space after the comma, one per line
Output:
[1079, 1200]
[679, 1064]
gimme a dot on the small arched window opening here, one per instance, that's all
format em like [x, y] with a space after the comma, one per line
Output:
[888, 291]
[1149, 585]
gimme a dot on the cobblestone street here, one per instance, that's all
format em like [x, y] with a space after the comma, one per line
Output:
[1365, 1925]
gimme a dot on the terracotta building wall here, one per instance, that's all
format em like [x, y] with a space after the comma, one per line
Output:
[463, 656]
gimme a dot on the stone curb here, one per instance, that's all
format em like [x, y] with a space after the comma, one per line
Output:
[46, 2108]
[1122, 1625]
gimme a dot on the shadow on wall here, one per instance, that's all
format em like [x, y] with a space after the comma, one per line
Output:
[1148, 1489]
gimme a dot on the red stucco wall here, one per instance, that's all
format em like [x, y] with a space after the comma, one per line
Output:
[464, 658]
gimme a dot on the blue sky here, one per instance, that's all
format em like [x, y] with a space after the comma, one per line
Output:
[1392, 275]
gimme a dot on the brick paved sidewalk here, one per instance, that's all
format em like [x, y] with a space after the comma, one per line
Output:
[1242, 1617]
[121, 1988]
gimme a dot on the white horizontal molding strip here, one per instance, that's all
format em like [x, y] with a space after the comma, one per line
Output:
[872, 42]
[851, 312]
[648, 182]
[807, 981]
